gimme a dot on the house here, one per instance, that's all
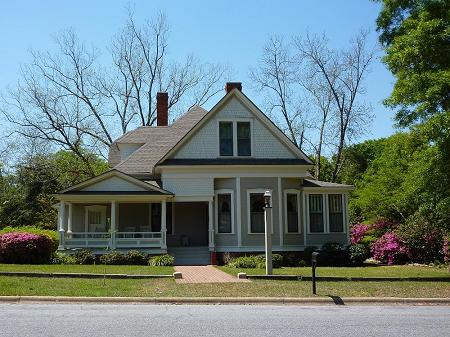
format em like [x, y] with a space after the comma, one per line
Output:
[195, 189]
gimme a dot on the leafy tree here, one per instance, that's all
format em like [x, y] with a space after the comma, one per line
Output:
[416, 36]
[26, 196]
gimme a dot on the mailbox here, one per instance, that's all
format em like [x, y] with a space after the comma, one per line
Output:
[314, 257]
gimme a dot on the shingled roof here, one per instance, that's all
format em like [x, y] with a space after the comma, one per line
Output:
[157, 141]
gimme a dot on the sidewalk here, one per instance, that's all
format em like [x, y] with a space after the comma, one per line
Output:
[204, 274]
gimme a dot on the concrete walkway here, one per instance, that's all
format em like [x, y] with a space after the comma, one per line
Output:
[204, 274]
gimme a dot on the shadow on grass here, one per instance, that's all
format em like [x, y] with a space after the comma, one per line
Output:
[337, 300]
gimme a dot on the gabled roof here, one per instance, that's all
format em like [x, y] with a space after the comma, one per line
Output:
[158, 141]
[256, 112]
[142, 187]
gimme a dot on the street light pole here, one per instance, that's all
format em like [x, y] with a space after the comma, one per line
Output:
[268, 230]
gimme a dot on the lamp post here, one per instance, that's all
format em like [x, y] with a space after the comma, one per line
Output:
[268, 230]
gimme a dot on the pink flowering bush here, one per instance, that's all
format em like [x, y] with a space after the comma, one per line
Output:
[446, 250]
[389, 249]
[25, 248]
[357, 233]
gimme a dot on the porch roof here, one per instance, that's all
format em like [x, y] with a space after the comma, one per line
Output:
[114, 183]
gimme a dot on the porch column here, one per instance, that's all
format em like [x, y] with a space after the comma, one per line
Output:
[211, 225]
[163, 224]
[113, 225]
[70, 219]
[62, 218]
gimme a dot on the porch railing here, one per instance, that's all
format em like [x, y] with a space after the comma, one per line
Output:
[113, 240]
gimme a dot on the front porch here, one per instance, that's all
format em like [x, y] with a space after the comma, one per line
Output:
[113, 225]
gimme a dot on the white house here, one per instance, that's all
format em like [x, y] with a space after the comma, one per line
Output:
[195, 189]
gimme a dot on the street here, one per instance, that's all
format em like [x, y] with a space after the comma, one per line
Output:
[221, 320]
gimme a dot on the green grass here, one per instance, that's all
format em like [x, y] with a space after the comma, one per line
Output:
[369, 271]
[96, 269]
[168, 288]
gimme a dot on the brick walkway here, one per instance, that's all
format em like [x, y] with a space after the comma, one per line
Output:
[204, 274]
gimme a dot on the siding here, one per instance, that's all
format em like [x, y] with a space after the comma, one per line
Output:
[205, 143]
[113, 184]
[188, 187]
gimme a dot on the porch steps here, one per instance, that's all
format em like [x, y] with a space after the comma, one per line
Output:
[190, 256]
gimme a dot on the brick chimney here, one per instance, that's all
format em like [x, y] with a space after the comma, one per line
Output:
[162, 109]
[231, 85]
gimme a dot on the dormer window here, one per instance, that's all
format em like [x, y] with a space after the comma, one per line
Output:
[235, 138]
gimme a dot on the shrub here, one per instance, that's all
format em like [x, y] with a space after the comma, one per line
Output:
[332, 254]
[53, 235]
[277, 261]
[302, 263]
[161, 260]
[389, 249]
[423, 239]
[84, 256]
[63, 258]
[446, 249]
[291, 259]
[358, 254]
[381, 226]
[135, 257]
[243, 262]
[226, 258]
[25, 248]
[357, 233]
[113, 258]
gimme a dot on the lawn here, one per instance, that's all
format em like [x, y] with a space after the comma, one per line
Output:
[369, 271]
[96, 269]
[261, 288]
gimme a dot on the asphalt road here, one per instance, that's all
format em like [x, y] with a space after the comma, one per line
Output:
[221, 320]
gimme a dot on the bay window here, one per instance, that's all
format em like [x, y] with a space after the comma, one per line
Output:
[225, 214]
[335, 213]
[316, 223]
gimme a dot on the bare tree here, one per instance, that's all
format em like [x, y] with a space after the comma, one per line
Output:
[343, 72]
[68, 99]
[276, 76]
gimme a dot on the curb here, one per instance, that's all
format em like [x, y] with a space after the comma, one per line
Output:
[83, 275]
[229, 300]
[341, 278]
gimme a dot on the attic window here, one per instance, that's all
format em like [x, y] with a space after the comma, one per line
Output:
[226, 138]
[235, 138]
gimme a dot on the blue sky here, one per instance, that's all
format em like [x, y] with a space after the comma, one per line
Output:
[228, 32]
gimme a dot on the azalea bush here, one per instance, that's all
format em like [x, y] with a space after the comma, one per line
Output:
[357, 233]
[390, 249]
[25, 248]
[53, 235]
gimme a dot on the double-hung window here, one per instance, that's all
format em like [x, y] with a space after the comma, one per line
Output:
[226, 138]
[316, 223]
[335, 213]
[225, 212]
[256, 203]
[235, 138]
[292, 212]
[244, 146]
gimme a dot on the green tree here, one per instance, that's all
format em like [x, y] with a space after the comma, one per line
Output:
[26, 196]
[416, 37]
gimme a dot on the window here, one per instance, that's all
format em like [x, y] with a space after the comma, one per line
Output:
[224, 213]
[316, 224]
[244, 147]
[226, 138]
[292, 212]
[335, 213]
[235, 138]
[256, 212]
